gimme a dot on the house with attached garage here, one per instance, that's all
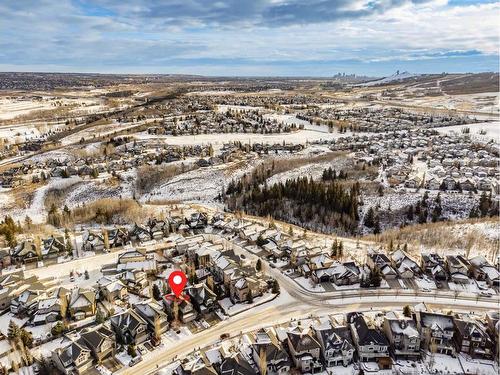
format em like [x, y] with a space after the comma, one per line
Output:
[130, 328]
[136, 259]
[92, 241]
[28, 299]
[471, 337]
[202, 297]
[337, 348]
[53, 247]
[234, 363]
[305, 350]
[112, 289]
[380, 262]
[241, 287]
[75, 358]
[47, 310]
[81, 303]
[26, 251]
[434, 265]
[139, 233]
[157, 228]
[184, 311]
[482, 270]
[101, 341]
[406, 267]
[118, 237]
[436, 331]
[369, 340]
[458, 268]
[268, 353]
[154, 316]
[403, 336]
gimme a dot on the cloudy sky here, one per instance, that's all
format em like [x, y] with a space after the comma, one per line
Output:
[249, 37]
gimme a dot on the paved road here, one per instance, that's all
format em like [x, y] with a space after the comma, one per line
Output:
[287, 307]
[295, 302]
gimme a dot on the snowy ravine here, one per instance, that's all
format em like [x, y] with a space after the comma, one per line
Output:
[36, 209]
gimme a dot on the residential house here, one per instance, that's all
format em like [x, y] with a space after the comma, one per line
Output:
[101, 341]
[436, 332]
[112, 289]
[403, 336]
[81, 303]
[183, 310]
[370, 342]
[26, 251]
[242, 287]
[406, 267]
[202, 298]
[118, 237]
[458, 268]
[471, 337]
[75, 358]
[336, 344]
[482, 270]
[137, 259]
[380, 262]
[27, 300]
[53, 247]
[130, 328]
[47, 310]
[434, 265]
[268, 354]
[305, 350]
[236, 364]
[153, 314]
[92, 241]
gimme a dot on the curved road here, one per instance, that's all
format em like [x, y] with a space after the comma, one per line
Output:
[295, 302]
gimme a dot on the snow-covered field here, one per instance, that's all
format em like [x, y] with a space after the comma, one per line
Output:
[200, 185]
[36, 208]
[217, 140]
[12, 107]
[241, 108]
[484, 103]
[293, 120]
[491, 130]
[314, 170]
[98, 131]
[91, 191]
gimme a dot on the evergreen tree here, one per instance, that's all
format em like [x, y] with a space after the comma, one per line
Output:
[409, 213]
[375, 278]
[13, 331]
[276, 287]
[407, 311]
[258, 265]
[369, 220]
[250, 296]
[376, 226]
[156, 292]
[99, 317]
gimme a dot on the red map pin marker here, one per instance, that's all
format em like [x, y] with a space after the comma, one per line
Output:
[177, 281]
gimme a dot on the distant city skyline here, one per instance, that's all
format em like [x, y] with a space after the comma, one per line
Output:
[250, 38]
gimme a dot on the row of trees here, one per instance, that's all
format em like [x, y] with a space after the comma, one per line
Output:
[330, 174]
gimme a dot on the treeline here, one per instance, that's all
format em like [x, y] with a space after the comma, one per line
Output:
[318, 205]
[330, 174]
